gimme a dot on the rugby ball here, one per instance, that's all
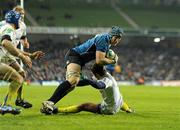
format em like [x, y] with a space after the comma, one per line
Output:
[110, 54]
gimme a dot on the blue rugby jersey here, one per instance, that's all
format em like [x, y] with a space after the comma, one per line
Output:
[88, 49]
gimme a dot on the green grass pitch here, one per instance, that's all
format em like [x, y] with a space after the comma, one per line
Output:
[157, 108]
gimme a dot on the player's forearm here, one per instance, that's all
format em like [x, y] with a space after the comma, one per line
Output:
[104, 61]
[10, 48]
[25, 53]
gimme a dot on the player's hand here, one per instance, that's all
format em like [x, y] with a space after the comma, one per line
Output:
[116, 59]
[26, 60]
[37, 55]
[25, 43]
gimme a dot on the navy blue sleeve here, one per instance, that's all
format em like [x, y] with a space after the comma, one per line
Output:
[93, 83]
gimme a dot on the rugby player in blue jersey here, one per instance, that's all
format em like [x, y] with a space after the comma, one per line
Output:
[92, 49]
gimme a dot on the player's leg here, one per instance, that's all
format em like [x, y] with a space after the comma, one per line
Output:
[19, 100]
[72, 78]
[89, 107]
[7, 73]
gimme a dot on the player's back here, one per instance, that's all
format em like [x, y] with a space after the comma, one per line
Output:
[111, 94]
[100, 40]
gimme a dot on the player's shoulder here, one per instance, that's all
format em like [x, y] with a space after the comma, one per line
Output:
[22, 24]
[3, 22]
[7, 28]
[103, 37]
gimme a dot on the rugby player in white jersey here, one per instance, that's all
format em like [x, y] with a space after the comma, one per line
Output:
[8, 49]
[22, 38]
[112, 98]
[20, 34]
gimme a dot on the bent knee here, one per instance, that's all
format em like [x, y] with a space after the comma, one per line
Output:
[22, 73]
[19, 79]
[73, 77]
[73, 81]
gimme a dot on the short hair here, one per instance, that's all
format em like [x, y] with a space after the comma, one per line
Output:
[18, 8]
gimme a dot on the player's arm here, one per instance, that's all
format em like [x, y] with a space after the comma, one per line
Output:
[34, 55]
[25, 42]
[25, 53]
[7, 44]
[24, 39]
[10, 47]
[102, 60]
[93, 83]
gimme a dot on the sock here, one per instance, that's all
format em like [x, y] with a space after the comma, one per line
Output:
[63, 89]
[70, 109]
[125, 107]
[19, 94]
[13, 87]
[93, 83]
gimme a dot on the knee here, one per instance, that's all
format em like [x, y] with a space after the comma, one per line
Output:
[73, 77]
[73, 81]
[15, 76]
[19, 79]
[22, 73]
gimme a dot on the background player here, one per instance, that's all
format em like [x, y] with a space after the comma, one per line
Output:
[22, 38]
[7, 73]
[20, 34]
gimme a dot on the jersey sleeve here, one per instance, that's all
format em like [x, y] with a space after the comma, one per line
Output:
[24, 29]
[101, 44]
[8, 32]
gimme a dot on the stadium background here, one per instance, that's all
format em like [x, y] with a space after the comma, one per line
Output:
[149, 54]
[149, 49]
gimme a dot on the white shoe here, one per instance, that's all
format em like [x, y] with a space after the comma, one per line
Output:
[47, 107]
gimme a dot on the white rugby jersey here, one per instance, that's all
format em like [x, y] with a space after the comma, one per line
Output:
[21, 31]
[6, 29]
[112, 98]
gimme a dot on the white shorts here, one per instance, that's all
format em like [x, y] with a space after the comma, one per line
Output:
[9, 59]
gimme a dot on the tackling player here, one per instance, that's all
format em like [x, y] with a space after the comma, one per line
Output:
[92, 49]
[112, 98]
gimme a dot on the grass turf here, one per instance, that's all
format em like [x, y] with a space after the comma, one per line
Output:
[157, 108]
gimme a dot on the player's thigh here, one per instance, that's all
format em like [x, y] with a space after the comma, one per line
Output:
[73, 73]
[18, 68]
[7, 73]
